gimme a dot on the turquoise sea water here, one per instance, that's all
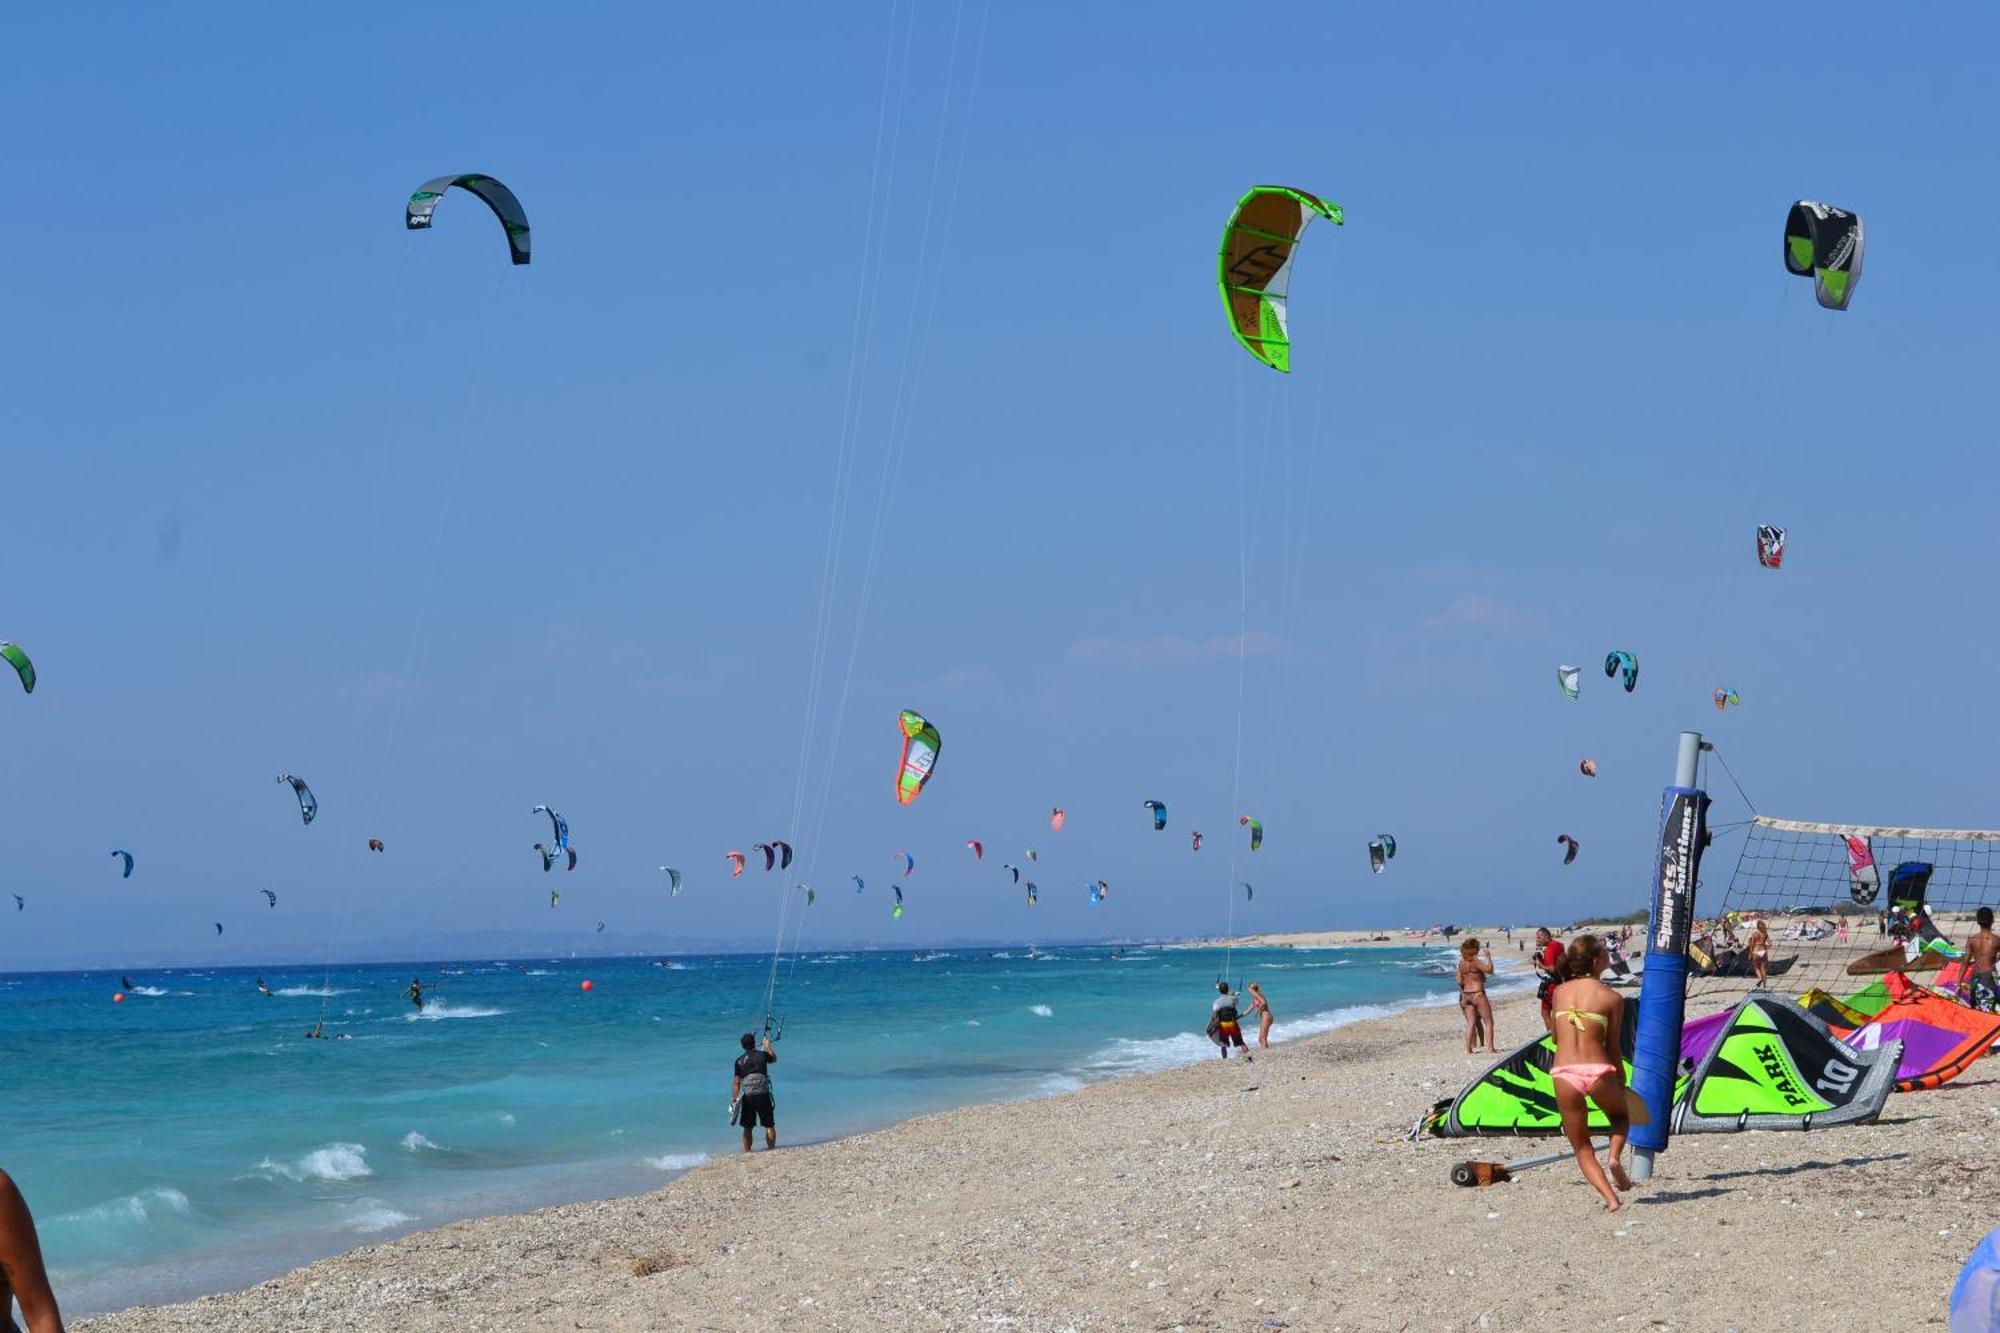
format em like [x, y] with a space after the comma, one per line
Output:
[191, 1139]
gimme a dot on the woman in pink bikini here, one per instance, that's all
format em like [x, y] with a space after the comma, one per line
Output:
[1585, 1016]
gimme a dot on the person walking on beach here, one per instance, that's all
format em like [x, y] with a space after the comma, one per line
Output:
[1760, 951]
[1587, 1068]
[22, 1276]
[1982, 948]
[1474, 966]
[1548, 957]
[750, 1091]
[1223, 1025]
[1261, 1007]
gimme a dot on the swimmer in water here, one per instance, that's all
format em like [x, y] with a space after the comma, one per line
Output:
[416, 993]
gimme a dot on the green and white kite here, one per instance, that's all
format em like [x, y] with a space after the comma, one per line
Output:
[1254, 268]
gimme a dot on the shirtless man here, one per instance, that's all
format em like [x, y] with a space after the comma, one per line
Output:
[1983, 949]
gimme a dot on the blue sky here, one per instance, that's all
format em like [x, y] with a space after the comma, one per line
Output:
[292, 489]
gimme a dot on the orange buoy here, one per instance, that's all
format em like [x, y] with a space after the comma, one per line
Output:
[586, 985]
[119, 998]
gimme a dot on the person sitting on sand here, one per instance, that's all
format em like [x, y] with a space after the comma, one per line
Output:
[1223, 1025]
[1473, 969]
[1262, 1008]
[1982, 949]
[1587, 1067]
[22, 1276]
[750, 1091]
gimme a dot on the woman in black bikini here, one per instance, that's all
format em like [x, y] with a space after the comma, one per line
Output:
[1473, 969]
[22, 1277]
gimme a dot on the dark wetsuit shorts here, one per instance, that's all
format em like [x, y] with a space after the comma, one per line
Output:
[757, 1107]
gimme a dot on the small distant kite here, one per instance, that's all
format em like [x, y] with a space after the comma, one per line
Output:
[1195, 838]
[909, 863]
[14, 657]
[1033, 895]
[270, 898]
[811, 897]
[308, 807]
[1014, 871]
[784, 850]
[1570, 678]
[859, 883]
[977, 849]
[1381, 851]
[600, 927]
[735, 860]
[770, 855]
[1032, 856]
[507, 208]
[218, 927]
[1824, 243]
[921, 744]
[126, 857]
[548, 857]
[374, 844]
[1588, 768]
[1096, 892]
[1724, 696]
[1256, 827]
[1249, 894]
[1770, 546]
[1056, 818]
[1571, 844]
[1159, 810]
[896, 912]
[1619, 660]
[555, 897]
[558, 827]
[20, 903]
[674, 878]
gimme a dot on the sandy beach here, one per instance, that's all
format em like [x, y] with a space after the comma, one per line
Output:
[1273, 1195]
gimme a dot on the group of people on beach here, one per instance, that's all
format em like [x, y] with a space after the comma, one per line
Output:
[1225, 1018]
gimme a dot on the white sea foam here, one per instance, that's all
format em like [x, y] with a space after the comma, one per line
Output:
[537, 972]
[147, 1204]
[372, 1215]
[438, 1009]
[677, 1161]
[415, 1142]
[317, 992]
[334, 1162]
[1041, 1011]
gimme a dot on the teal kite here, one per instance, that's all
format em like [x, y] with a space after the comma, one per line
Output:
[1159, 809]
[513, 218]
[1619, 660]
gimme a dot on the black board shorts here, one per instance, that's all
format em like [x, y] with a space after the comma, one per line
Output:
[755, 1108]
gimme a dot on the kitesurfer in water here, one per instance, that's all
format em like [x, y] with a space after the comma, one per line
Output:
[1261, 1007]
[416, 993]
[1474, 966]
[125, 981]
[1224, 1027]
[750, 1091]
[263, 989]
[1982, 948]
[22, 1276]
[1586, 1068]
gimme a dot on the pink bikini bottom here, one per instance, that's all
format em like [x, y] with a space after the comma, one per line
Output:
[1582, 1077]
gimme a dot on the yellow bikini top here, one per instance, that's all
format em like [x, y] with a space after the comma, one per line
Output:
[1577, 1016]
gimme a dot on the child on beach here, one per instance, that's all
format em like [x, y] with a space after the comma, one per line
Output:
[1473, 969]
[22, 1277]
[1586, 1015]
[1982, 949]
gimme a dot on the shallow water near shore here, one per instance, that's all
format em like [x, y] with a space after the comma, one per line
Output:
[191, 1139]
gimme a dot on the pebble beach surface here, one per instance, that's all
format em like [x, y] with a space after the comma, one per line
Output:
[1273, 1195]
